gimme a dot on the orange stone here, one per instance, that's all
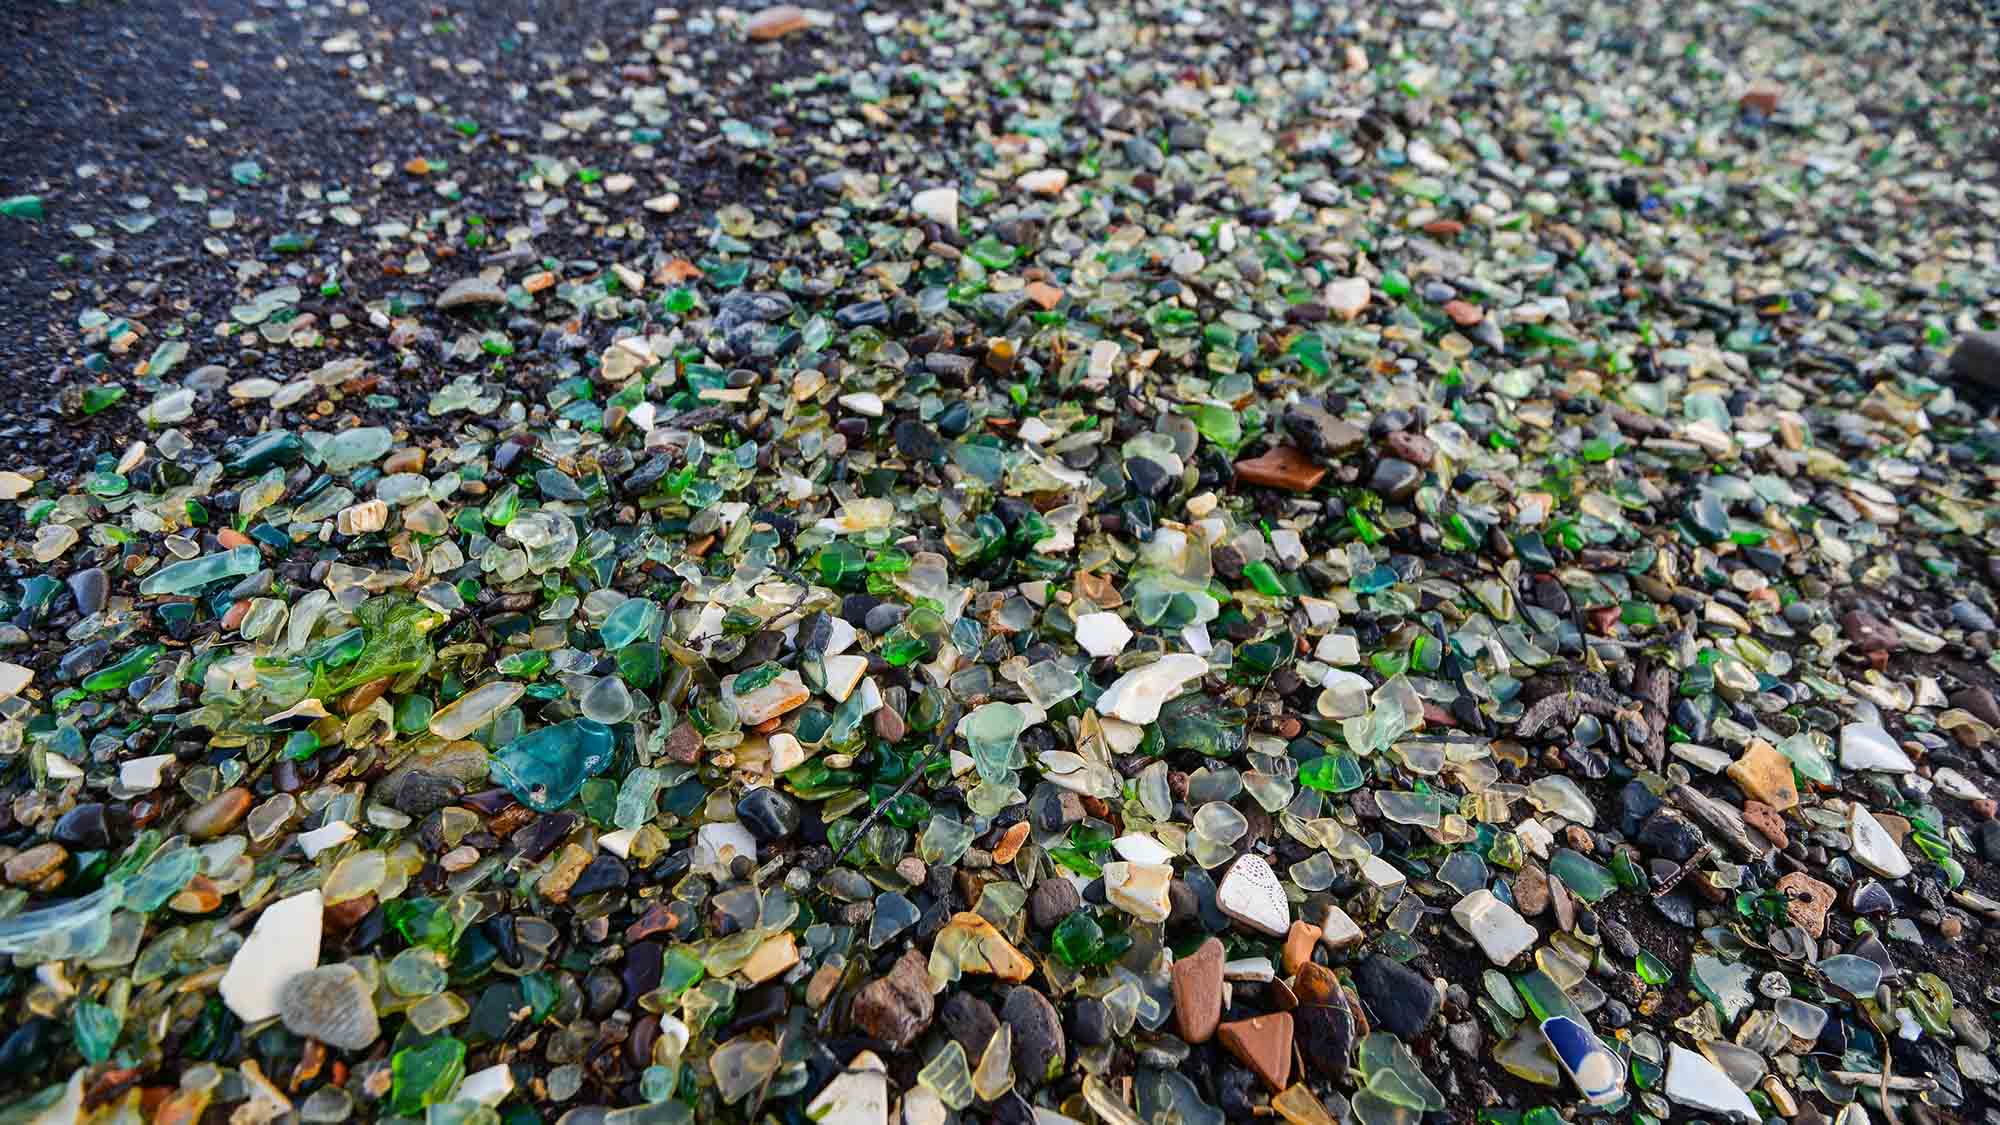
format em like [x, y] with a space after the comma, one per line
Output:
[1283, 467]
[1464, 313]
[1010, 844]
[776, 23]
[1263, 1044]
[1043, 294]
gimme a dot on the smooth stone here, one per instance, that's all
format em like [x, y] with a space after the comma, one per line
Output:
[1394, 479]
[1196, 981]
[218, 814]
[969, 1020]
[1976, 359]
[1346, 297]
[858, 1095]
[1321, 433]
[1039, 1047]
[1251, 895]
[1399, 997]
[1136, 696]
[333, 1004]
[469, 292]
[1667, 833]
[1141, 849]
[768, 813]
[1694, 1081]
[1090, 1022]
[939, 205]
[1337, 931]
[1865, 746]
[1263, 1044]
[1053, 900]
[1873, 847]
[283, 944]
[1103, 633]
[84, 828]
[35, 864]
[1500, 931]
[91, 588]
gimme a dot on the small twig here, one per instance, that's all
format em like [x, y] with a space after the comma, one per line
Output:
[764, 1087]
[1896, 1083]
[1886, 997]
[945, 726]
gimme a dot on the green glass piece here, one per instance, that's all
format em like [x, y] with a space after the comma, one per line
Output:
[27, 207]
[279, 447]
[1337, 772]
[747, 682]
[96, 1030]
[116, 676]
[902, 648]
[992, 253]
[394, 641]
[1544, 997]
[300, 745]
[424, 922]
[1264, 579]
[638, 797]
[192, 574]
[546, 769]
[1586, 878]
[1651, 969]
[425, 1075]
[100, 398]
[635, 619]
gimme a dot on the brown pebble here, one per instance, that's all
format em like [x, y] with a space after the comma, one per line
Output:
[1464, 313]
[776, 23]
[218, 814]
[409, 460]
[36, 864]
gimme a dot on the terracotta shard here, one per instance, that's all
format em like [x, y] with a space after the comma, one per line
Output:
[1283, 467]
[1299, 945]
[1263, 1044]
[1197, 985]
